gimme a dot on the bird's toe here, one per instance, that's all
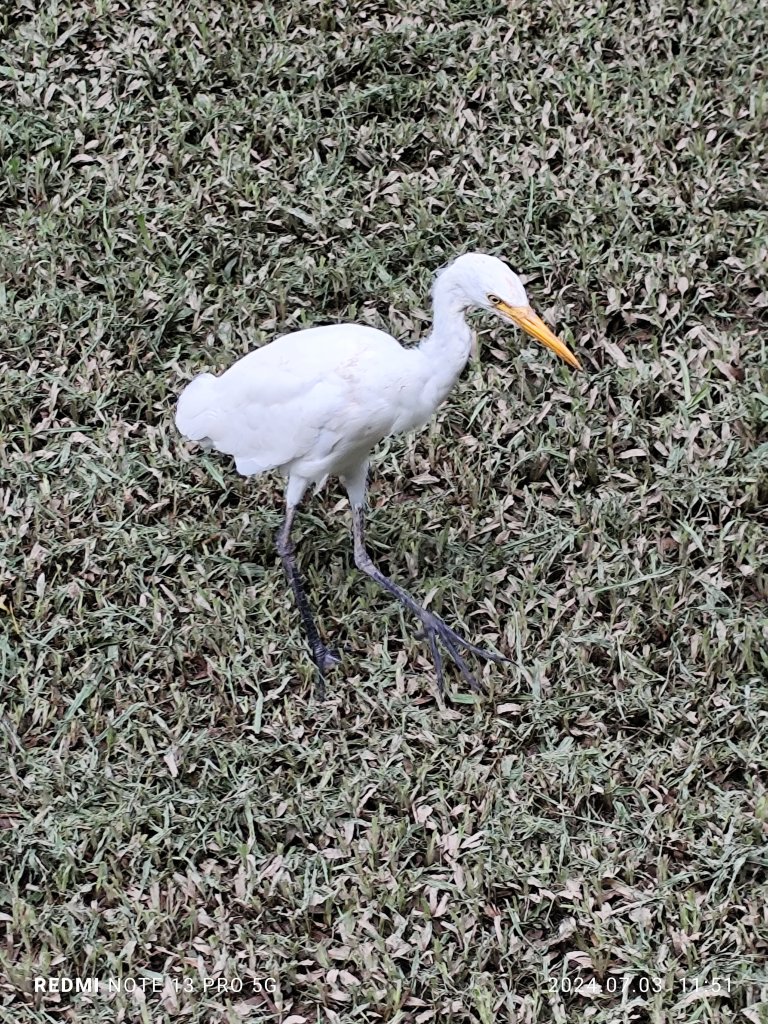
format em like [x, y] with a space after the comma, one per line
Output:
[476, 686]
[329, 659]
[320, 693]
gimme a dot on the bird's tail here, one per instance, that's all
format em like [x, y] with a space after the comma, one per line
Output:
[196, 408]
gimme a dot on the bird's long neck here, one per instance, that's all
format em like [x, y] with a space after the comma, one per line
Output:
[447, 346]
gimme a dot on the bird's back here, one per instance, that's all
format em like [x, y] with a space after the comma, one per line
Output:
[306, 397]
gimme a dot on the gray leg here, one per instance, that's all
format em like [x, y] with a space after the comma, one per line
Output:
[434, 627]
[321, 656]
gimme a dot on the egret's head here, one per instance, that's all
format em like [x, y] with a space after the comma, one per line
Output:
[486, 282]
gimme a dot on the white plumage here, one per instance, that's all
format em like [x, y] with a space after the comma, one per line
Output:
[309, 402]
[315, 403]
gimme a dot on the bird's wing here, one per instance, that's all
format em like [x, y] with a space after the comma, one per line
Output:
[304, 396]
[196, 408]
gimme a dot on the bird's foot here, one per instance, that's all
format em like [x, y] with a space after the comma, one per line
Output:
[434, 628]
[325, 659]
[480, 652]
[329, 659]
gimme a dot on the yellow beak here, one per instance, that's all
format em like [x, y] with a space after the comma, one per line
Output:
[532, 324]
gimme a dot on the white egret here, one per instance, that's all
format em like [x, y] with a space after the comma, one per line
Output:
[314, 403]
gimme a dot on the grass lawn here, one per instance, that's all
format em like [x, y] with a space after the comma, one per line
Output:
[179, 818]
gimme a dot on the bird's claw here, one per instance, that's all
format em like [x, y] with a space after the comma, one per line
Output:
[434, 627]
[479, 652]
[325, 659]
[444, 630]
[319, 687]
[330, 658]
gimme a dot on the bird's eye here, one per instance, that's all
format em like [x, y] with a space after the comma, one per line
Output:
[494, 300]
